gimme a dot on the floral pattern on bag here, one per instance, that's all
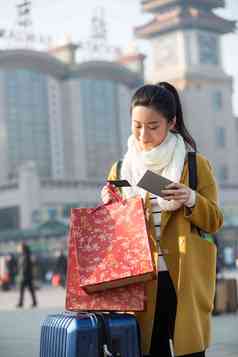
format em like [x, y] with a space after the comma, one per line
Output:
[130, 298]
[112, 244]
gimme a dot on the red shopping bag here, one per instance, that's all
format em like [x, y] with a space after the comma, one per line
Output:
[112, 245]
[130, 298]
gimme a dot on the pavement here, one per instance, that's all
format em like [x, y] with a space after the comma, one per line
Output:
[20, 328]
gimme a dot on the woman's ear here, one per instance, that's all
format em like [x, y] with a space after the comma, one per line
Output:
[172, 124]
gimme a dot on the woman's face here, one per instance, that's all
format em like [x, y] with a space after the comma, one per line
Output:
[149, 127]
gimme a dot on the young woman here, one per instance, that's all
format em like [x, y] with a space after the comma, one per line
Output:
[180, 300]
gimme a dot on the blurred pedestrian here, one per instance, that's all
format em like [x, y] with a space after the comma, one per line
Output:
[25, 274]
[180, 300]
[12, 268]
[60, 269]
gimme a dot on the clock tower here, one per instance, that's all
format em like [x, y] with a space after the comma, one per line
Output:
[185, 36]
[186, 41]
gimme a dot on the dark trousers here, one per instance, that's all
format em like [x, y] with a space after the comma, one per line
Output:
[164, 322]
[23, 285]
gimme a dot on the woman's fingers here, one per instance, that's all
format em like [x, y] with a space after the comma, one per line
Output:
[175, 185]
[106, 198]
[177, 192]
[106, 195]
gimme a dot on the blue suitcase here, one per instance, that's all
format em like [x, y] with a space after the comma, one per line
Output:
[90, 335]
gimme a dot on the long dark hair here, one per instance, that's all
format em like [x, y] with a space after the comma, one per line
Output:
[164, 98]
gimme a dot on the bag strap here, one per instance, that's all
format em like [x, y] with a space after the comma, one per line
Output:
[108, 348]
[192, 169]
[106, 344]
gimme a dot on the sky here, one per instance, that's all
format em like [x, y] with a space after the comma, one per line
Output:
[61, 18]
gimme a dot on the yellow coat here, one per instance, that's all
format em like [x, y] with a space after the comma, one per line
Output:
[191, 261]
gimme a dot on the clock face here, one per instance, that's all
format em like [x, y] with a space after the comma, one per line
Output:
[208, 48]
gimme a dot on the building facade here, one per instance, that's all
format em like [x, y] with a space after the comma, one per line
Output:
[62, 125]
[58, 114]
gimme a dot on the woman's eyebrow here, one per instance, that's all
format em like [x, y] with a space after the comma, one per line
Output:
[153, 122]
[149, 123]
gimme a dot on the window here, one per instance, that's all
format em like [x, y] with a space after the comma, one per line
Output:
[217, 101]
[208, 49]
[52, 213]
[223, 173]
[99, 107]
[9, 218]
[28, 115]
[220, 137]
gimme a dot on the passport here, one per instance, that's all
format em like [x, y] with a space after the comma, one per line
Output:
[153, 183]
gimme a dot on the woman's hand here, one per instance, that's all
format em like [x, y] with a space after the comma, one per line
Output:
[180, 193]
[106, 194]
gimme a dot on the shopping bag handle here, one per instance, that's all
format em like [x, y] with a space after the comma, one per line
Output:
[114, 193]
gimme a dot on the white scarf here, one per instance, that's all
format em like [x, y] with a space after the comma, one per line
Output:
[167, 159]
